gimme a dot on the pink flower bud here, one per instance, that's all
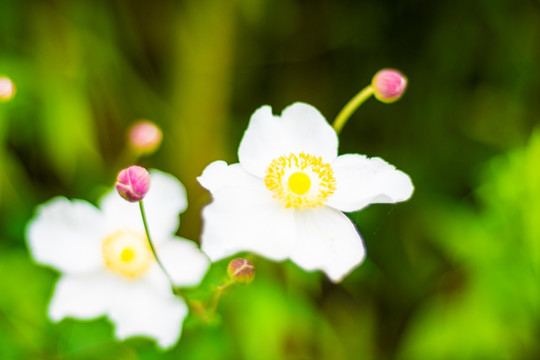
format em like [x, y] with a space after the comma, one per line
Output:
[145, 136]
[388, 85]
[133, 183]
[7, 89]
[241, 271]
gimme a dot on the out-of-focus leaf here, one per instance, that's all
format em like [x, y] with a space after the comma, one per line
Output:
[495, 308]
[67, 127]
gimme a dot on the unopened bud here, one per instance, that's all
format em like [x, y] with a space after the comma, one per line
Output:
[241, 271]
[7, 89]
[133, 183]
[388, 85]
[145, 136]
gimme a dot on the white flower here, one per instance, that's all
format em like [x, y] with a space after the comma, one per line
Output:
[106, 263]
[286, 196]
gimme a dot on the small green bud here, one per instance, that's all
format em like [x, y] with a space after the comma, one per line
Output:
[241, 271]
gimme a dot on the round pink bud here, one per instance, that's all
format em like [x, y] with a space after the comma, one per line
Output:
[7, 89]
[388, 85]
[133, 183]
[145, 136]
[241, 271]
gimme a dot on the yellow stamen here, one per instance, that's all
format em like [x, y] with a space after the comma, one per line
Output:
[127, 253]
[300, 181]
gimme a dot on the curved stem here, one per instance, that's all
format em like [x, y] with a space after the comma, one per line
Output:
[217, 296]
[351, 107]
[176, 291]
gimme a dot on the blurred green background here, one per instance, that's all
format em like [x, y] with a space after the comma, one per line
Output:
[451, 274]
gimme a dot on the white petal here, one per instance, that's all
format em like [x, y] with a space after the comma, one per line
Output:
[66, 235]
[244, 217]
[301, 128]
[184, 262]
[138, 307]
[140, 310]
[82, 296]
[163, 203]
[211, 178]
[218, 175]
[327, 240]
[361, 181]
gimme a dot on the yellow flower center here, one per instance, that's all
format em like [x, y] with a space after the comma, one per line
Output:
[300, 181]
[127, 253]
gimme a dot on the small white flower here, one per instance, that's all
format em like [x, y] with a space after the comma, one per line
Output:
[106, 263]
[286, 196]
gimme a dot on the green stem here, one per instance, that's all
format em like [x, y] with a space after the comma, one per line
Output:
[217, 296]
[146, 229]
[128, 156]
[351, 107]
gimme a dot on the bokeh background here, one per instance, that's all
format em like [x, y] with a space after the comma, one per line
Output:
[451, 274]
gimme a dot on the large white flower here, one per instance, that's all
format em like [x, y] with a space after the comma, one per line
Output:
[285, 197]
[107, 265]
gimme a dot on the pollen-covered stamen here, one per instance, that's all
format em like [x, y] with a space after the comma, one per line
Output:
[301, 180]
[127, 253]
